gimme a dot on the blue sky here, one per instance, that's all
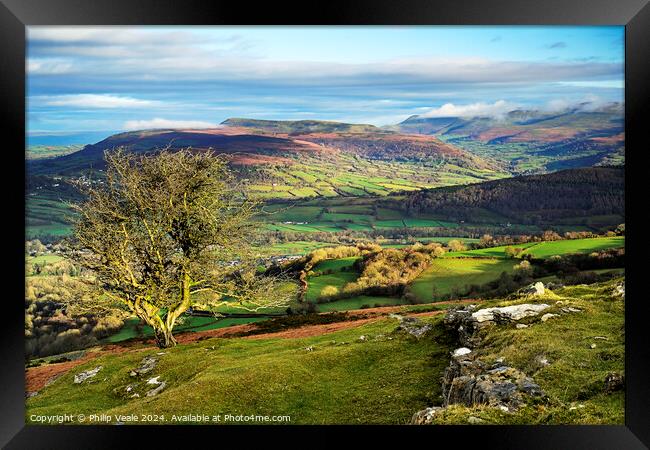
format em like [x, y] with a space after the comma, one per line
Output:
[83, 79]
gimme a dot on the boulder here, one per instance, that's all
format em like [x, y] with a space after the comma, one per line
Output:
[470, 382]
[509, 313]
[461, 352]
[83, 376]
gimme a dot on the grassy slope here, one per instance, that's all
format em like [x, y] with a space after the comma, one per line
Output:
[449, 273]
[343, 380]
[346, 380]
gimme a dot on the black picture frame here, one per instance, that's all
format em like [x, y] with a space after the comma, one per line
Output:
[634, 14]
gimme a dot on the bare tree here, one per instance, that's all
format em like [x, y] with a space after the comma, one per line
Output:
[164, 230]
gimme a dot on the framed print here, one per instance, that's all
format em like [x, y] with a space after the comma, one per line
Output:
[368, 218]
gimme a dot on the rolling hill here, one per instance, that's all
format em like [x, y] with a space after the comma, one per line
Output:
[527, 141]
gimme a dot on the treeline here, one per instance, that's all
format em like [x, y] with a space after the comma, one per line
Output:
[533, 199]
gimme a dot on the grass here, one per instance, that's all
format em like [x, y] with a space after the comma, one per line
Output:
[447, 274]
[382, 379]
[342, 381]
[337, 279]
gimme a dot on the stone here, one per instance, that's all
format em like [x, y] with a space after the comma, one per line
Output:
[474, 420]
[461, 352]
[147, 364]
[509, 313]
[83, 376]
[469, 382]
[547, 316]
[153, 380]
[571, 310]
[604, 338]
[614, 382]
[520, 326]
[534, 289]
[425, 416]
[363, 338]
[619, 290]
[311, 348]
[542, 361]
[592, 346]
[413, 326]
[156, 390]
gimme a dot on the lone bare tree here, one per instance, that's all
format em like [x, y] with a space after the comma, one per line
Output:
[165, 230]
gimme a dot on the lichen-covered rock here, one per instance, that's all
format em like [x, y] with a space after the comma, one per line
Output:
[157, 389]
[413, 326]
[147, 364]
[425, 416]
[470, 382]
[508, 314]
[83, 376]
[534, 289]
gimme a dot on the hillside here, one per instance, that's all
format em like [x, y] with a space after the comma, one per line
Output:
[532, 141]
[597, 192]
[381, 369]
[299, 126]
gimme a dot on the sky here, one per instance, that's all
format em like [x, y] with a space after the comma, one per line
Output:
[110, 79]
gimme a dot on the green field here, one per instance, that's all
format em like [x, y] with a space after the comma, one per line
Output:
[337, 279]
[445, 274]
[357, 302]
[547, 249]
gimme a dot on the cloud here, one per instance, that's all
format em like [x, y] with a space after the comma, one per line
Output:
[558, 44]
[48, 66]
[159, 123]
[97, 101]
[496, 109]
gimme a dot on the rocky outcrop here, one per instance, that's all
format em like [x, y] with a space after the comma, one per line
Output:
[412, 325]
[614, 382]
[425, 416]
[471, 382]
[83, 376]
[468, 321]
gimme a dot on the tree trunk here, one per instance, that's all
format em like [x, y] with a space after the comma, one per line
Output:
[164, 337]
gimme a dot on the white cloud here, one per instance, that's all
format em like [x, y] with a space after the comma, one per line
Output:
[496, 109]
[158, 123]
[97, 101]
[48, 66]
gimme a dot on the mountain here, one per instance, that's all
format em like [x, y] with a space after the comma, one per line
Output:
[596, 194]
[300, 126]
[529, 141]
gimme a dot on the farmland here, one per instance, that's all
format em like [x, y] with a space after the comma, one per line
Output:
[447, 275]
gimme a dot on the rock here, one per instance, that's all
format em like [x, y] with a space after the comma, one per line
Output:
[614, 382]
[136, 395]
[542, 361]
[604, 338]
[153, 380]
[425, 416]
[474, 420]
[520, 326]
[619, 290]
[470, 383]
[571, 310]
[311, 348]
[534, 289]
[83, 376]
[363, 338]
[547, 316]
[592, 346]
[147, 364]
[156, 390]
[461, 352]
[509, 313]
[413, 326]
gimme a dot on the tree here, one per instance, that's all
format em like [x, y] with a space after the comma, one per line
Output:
[456, 246]
[165, 230]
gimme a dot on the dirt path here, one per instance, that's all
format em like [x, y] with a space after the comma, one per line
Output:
[36, 378]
